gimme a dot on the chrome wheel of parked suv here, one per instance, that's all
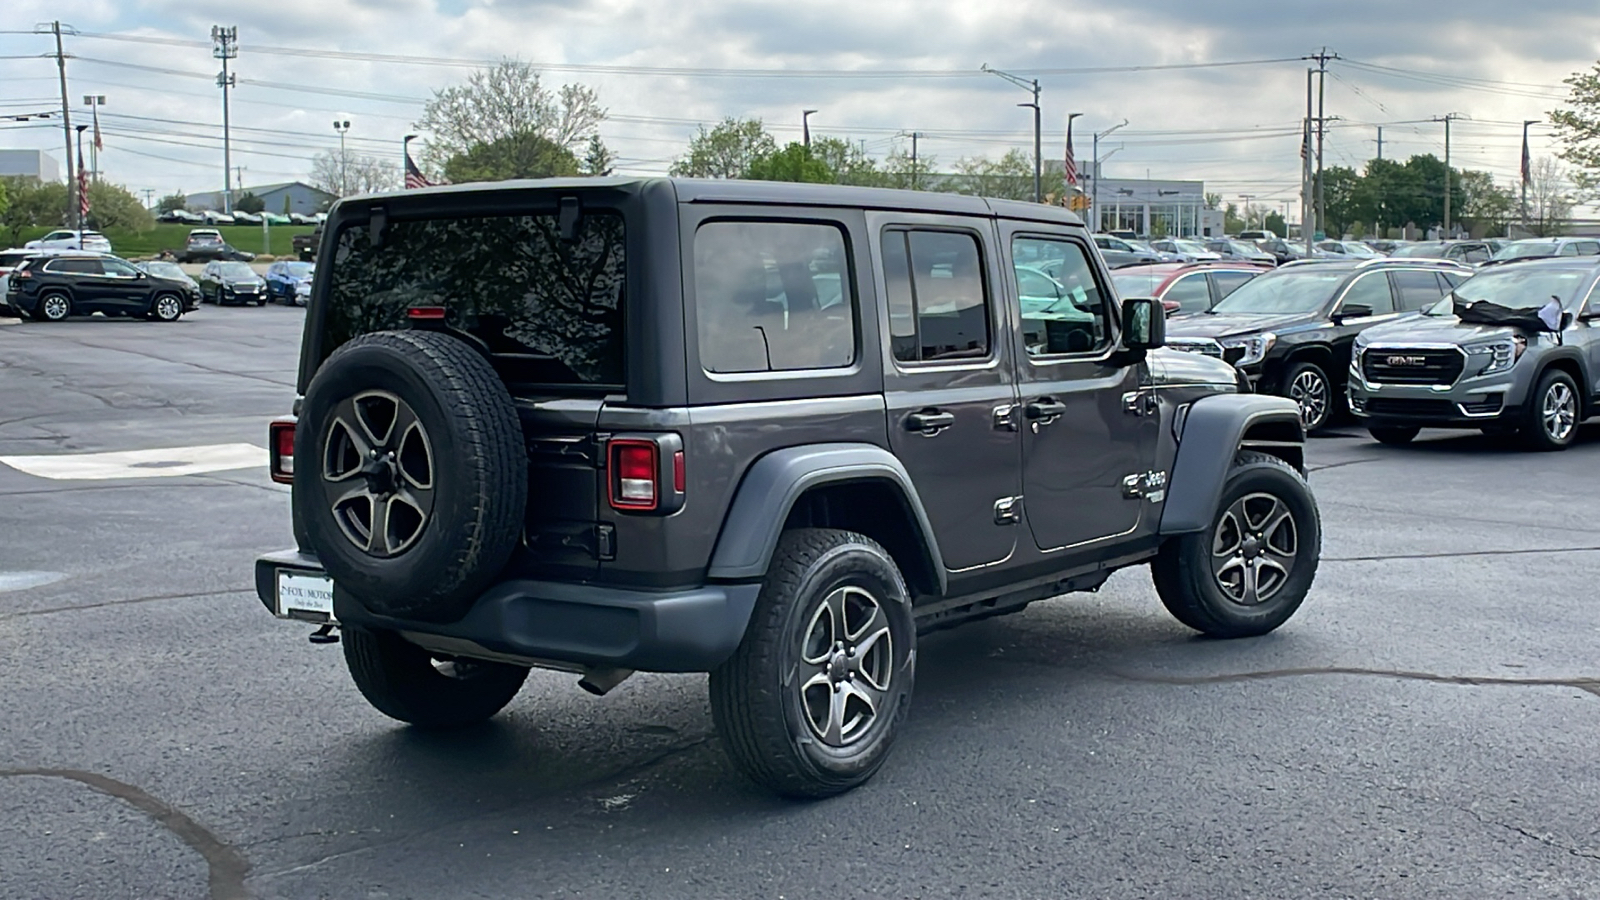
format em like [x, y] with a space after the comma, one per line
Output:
[167, 308]
[1249, 572]
[1555, 409]
[1308, 388]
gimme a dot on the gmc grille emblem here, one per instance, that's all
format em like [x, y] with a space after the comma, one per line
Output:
[1406, 360]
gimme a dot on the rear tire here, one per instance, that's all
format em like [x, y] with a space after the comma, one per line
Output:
[1249, 572]
[1554, 409]
[403, 681]
[54, 306]
[1394, 435]
[811, 701]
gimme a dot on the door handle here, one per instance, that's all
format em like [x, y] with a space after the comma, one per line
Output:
[1044, 410]
[930, 421]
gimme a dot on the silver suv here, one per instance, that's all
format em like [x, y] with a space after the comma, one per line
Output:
[1512, 349]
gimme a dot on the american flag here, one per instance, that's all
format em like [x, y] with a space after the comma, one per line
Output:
[414, 177]
[83, 193]
[1070, 164]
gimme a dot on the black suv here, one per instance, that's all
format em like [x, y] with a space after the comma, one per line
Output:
[766, 431]
[51, 288]
[1290, 330]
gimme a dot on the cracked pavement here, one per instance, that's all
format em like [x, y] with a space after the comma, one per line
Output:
[1424, 728]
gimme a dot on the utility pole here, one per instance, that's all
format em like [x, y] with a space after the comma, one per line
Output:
[1322, 58]
[149, 196]
[238, 172]
[918, 134]
[1094, 152]
[1380, 142]
[73, 214]
[1038, 158]
[1446, 119]
[225, 46]
[805, 127]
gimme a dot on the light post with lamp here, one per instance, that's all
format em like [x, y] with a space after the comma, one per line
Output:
[342, 126]
[1038, 161]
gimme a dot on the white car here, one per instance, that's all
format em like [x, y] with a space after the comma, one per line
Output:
[216, 217]
[66, 239]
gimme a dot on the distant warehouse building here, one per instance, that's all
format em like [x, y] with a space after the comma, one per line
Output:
[30, 164]
[302, 197]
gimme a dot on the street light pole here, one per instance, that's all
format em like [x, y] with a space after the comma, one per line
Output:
[342, 126]
[1094, 201]
[805, 127]
[1038, 158]
[95, 101]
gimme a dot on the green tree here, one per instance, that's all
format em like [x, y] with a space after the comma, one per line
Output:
[1008, 178]
[900, 172]
[1232, 221]
[172, 201]
[597, 158]
[848, 162]
[288, 206]
[250, 203]
[506, 100]
[1549, 201]
[726, 151]
[1277, 225]
[1213, 201]
[1339, 201]
[114, 206]
[792, 163]
[5, 201]
[516, 156]
[1578, 130]
[32, 203]
[1486, 208]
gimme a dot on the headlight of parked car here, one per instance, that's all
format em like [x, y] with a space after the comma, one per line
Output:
[1495, 356]
[1249, 349]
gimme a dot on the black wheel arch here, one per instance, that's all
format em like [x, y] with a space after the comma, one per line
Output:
[851, 486]
[1212, 433]
[1322, 355]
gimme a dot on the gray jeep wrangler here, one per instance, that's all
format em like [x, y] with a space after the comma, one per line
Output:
[767, 431]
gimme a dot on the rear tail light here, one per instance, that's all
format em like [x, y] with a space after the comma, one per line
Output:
[635, 474]
[645, 473]
[280, 450]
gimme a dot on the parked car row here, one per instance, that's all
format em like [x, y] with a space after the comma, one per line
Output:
[53, 284]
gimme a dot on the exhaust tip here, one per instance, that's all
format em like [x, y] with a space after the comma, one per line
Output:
[600, 681]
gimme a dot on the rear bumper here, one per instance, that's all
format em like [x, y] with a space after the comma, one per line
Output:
[570, 625]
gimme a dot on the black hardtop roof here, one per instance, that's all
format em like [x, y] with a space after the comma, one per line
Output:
[772, 193]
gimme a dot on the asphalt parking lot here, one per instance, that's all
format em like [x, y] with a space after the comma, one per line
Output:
[1425, 727]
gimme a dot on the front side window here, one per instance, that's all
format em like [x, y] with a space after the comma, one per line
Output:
[937, 298]
[1191, 293]
[119, 268]
[1228, 282]
[549, 311]
[773, 296]
[1418, 290]
[1073, 321]
[1372, 291]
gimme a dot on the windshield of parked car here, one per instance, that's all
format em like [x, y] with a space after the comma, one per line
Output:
[1285, 291]
[1526, 250]
[1516, 287]
[1424, 250]
[235, 270]
[1190, 247]
[165, 270]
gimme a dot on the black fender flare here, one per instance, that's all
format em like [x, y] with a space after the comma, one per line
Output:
[771, 486]
[1212, 433]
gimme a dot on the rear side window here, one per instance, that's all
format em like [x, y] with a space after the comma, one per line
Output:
[548, 312]
[937, 298]
[1417, 290]
[1228, 282]
[773, 296]
[76, 267]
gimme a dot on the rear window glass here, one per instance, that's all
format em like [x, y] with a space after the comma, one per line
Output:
[549, 312]
[773, 296]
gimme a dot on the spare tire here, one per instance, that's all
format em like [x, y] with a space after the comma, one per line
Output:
[414, 477]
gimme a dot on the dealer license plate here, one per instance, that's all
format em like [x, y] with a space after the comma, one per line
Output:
[304, 595]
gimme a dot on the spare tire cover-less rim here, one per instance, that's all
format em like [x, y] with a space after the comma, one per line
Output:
[412, 482]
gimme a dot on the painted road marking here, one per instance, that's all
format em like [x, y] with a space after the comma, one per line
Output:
[164, 463]
[21, 581]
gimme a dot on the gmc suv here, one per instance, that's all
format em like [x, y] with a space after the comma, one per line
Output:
[767, 431]
[1486, 358]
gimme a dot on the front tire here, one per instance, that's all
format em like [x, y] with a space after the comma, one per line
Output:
[1249, 572]
[404, 682]
[1393, 435]
[810, 703]
[1553, 414]
[166, 308]
[1308, 386]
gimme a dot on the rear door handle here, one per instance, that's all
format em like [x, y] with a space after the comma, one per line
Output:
[1044, 410]
[930, 421]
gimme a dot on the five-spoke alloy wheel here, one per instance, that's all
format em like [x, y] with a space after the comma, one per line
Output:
[378, 466]
[1253, 549]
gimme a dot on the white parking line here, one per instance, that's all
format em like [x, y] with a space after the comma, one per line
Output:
[163, 463]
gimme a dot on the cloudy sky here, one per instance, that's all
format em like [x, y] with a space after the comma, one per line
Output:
[873, 70]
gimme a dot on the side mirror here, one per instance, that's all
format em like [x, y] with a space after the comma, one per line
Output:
[1354, 311]
[1144, 323]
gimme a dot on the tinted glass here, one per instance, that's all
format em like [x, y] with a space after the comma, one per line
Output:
[299, 269]
[1228, 282]
[76, 266]
[1371, 289]
[118, 268]
[1076, 320]
[1526, 249]
[235, 270]
[1191, 292]
[549, 312]
[936, 295]
[772, 296]
[1519, 287]
[165, 270]
[1569, 250]
[1417, 290]
[1293, 290]
[10, 260]
[1424, 250]
[1588, 248]
[1136, 283]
